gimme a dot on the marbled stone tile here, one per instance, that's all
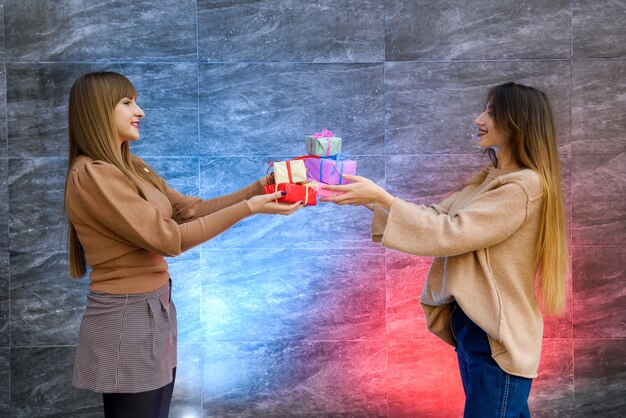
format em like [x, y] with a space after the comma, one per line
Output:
[431, 107]
[598, 211]
[180, 173]
[291, 30]
[41, 385]
[5, 302]
[3, 105]
[37, 220]
[261, 109]
[447, 30]
[5, 381]
[428, 179]
[562, 326]
[552, 392]
[599, 374]
[187, 396]
[599, 30]
[406, 275]
[46, 304]
[317, 378]
[71, 30]
[270, 294]
[599, 294]
[598, 102]
[325, 225]
[2, 54]
[4, 204]
[166, 92]
[41, 90]
[424, 380]
[187, 294]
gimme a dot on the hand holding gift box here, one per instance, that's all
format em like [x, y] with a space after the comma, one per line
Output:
[323, 144]
[295, 193]
[320, 190]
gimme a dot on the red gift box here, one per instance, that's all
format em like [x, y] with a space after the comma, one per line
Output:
[295, 192]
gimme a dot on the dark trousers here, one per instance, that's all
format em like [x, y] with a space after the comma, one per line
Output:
[490, 392]
[151, 404]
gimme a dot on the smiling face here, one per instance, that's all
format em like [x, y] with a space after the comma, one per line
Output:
[127, 115]
[489, 135]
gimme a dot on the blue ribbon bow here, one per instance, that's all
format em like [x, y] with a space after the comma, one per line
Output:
[339, 158]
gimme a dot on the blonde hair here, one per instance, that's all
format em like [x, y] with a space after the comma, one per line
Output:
[525, 114]
[92, 132]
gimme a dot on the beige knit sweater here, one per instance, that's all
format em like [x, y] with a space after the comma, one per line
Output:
[483, 240]
[126, 237]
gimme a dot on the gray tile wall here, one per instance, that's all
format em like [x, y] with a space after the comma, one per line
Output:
[229, 85]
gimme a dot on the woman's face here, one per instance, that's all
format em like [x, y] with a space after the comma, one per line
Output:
[490, 136]
[127, 115]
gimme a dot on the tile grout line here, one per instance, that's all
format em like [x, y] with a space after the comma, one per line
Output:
[199, 183]
[6, 140]
[385, 180]
[571, 203]
[234, 63]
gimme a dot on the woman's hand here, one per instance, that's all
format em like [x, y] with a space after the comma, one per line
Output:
[361, 191]
[265, 203]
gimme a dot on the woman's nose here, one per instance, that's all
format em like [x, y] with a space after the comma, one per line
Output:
[479, 119]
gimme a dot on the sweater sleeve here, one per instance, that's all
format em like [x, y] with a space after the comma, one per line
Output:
[100, 195]
[443, 207]
[490, 218]
[379, 220]
[189, 208]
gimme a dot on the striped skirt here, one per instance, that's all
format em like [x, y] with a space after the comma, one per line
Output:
[127, 343]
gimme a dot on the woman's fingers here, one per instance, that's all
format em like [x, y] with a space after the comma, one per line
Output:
[283, 208]
[335, 199]
[337, 188]
[353, 177]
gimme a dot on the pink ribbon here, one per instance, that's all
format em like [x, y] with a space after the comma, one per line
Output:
[325, 133]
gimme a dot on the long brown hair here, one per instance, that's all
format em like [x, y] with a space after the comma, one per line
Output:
[525, 114]
[92, 132]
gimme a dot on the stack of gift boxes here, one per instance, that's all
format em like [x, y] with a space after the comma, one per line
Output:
[303, 177]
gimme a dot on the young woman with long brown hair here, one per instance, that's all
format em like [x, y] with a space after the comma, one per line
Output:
[123, 220]
[491, 240]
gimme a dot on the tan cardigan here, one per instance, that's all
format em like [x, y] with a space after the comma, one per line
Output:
[126, 238]
[483, 240]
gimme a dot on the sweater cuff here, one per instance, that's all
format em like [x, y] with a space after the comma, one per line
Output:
[390, 231]
[248, 207]
[379, 223]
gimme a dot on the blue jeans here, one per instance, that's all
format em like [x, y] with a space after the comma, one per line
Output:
[489, 390]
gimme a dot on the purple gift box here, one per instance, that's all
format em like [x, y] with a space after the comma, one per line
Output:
[330, 170]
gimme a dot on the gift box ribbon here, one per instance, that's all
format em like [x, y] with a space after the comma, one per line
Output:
[324, 134]
[306, 192]
[338, 158]
[287, 163]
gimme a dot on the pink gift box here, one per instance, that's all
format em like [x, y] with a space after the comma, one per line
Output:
[330, 170]
[317, 186]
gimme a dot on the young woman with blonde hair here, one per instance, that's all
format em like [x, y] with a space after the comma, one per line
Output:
[491, 240]
[123, 220]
